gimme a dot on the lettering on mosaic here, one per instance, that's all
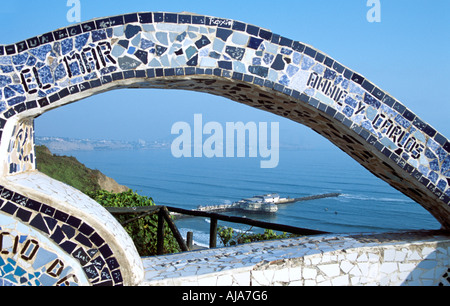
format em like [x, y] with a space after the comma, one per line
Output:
[221, 22]
[25, 253]
[398, 135]
[327, 87]
[89, 60]
[9, 245]
[56, 268]
[30, 249]
[30, 80]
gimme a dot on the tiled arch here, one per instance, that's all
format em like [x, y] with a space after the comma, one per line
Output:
[240, 61]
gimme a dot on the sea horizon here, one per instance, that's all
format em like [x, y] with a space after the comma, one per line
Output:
[366, 204]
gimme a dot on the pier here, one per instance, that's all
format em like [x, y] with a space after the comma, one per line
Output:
[268, 203]
[310, 198]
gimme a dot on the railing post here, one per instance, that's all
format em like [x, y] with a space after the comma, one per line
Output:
[174, 229]
[160, 233]
[190, 240]
[213, 234]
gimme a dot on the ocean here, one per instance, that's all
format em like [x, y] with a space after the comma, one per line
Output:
[367, 204]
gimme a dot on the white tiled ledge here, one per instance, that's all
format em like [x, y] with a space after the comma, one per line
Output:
[418, 258]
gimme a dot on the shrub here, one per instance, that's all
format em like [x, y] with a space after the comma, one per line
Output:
[230, 238]
[142, 231]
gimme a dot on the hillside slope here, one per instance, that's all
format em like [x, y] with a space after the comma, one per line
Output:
[71, 172]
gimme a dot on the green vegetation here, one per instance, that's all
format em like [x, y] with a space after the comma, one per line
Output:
[142, 231]
[73, 173]
[67, 170]
[230, 238]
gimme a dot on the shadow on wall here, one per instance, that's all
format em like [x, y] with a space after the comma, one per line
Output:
[434, 270]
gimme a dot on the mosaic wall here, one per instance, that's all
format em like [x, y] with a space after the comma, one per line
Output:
[21, 147]
[27, 260]
[398, 259]
[236, 60]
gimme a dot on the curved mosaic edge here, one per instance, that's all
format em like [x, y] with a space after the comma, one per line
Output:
[28, 258]
[125, 49]
[72, 235]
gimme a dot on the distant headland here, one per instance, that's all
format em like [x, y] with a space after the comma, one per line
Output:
[66, 144]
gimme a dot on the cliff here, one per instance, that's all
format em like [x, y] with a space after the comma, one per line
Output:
[71, 172]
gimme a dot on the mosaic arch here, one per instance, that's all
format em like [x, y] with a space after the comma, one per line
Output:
[242, 62]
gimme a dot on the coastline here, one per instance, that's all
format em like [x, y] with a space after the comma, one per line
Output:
[366, 204]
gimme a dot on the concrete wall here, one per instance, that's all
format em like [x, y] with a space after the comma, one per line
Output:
[399, 259]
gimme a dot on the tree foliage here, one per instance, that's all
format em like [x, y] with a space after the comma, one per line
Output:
[142, 231]
[230, 238]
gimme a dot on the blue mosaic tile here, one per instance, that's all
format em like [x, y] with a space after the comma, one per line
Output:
[6, 283]
[66, 46]
[254, 43]
[60, 72]
[45, 75]
[7, 69]
[20, 59]
[16, 100]
[292, 70]
[5, 80]
[307, 63]
[8, 93]
[41, 52]
[98, 35]
[146, 44]
[348, 111]
[278, 64]
[329, 74]
[81, 41]
[370, 100]
[446, 166]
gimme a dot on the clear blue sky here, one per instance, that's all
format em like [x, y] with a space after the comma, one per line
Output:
[406, 54]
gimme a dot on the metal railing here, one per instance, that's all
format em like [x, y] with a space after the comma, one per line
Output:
[163, 213]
